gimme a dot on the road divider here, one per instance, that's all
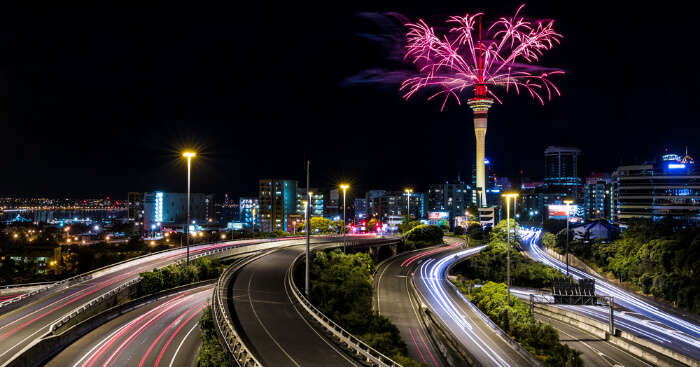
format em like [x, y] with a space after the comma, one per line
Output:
[651, 352]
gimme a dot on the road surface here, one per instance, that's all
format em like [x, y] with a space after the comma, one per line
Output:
[468, 326]
[272, 326]
[163, 333]
[641, 318]
[392, 300]
[29, 322]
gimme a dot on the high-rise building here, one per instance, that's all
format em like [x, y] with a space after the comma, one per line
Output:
[317, 202]
[393, 206]
[169, 209]
[134, 203]
[492, 191]
[562, 166]
[597, 201]
[453, 198]
[669, 189]
[250, 212]
[277, 199]
[333, 204]
[361, 209]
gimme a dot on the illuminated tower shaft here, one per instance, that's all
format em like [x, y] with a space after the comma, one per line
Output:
[480, 106]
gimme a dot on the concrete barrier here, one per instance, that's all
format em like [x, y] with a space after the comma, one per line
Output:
[50, 344]
[645, 349]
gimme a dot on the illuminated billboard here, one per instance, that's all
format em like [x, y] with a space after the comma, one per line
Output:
[559, 211]
[438, 215]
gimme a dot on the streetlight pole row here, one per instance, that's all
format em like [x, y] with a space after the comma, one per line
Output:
[189, 156]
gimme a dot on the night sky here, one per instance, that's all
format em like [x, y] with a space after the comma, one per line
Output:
[101, 99]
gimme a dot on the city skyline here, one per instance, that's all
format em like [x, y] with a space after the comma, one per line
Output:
[86, 120]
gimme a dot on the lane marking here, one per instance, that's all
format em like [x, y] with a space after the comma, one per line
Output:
[196, 325]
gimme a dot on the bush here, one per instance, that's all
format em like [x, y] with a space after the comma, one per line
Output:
[540, 339]
[459, 231]
[423, 236]
[211, 353]
[490, 264]
[341, 288]
[475, 232]
[177, 275]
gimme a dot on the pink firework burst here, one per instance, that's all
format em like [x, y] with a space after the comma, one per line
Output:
[459, 60]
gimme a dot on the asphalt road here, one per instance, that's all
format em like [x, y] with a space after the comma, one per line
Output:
[594, 351]
[641, 317]
[392, 300]
[456, 313]
[25, 324]
[273, 328]
[163, 333]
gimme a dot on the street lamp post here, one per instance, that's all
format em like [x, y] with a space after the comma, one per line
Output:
[189, 156]
[408, 204]
[508, 197]
[568, 203]
[344, 187]
[308, 228]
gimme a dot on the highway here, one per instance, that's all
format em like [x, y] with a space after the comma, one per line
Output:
[271, 324]
[392, 300]
[21, 326]
[594, 351]
[640, 317]
[163, 333]
[470, 328]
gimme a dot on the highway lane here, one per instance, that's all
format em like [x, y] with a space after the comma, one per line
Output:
[25, 324]
[460, 316]
[163, 333]
[270, 323]
[640, 317]
[393, 301]
[594, 351]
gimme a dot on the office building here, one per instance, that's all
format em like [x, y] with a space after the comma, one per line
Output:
[317, 201]
[134, 205]
[361, 209]
[562, 166]
[169, 210]
[668, 189]
[453, 198]
[249, 212]
[597, 202]
[277, 199]
[393, 206]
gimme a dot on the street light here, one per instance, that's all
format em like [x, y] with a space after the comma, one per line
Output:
[189, 156]
[344, 187]
[568, 203]
[408, 203]
[508, 197]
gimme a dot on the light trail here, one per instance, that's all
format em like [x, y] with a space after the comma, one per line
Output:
[433, 276]
[660, 326]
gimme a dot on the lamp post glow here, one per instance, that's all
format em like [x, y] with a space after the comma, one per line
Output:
[189, 156]
[408, 203]
[508, 197]
[568, 203]
[344, 187]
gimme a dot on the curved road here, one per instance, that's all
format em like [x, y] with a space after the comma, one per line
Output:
[471, 329]
[22, 326]
[392, 300]
[641, 318]
[163, 333]
[271, 323]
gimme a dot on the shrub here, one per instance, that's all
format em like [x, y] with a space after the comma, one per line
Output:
[211, 353]
[459, 231]
[423, 236]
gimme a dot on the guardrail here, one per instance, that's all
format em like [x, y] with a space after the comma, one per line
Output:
[233, 342]
[92, 303]
[360, 348]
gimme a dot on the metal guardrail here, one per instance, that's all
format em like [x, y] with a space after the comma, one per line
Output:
[360, 348]
[233, 342]
[92, 303]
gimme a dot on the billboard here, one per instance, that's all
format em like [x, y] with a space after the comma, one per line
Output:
[438, 215]
[559, 211]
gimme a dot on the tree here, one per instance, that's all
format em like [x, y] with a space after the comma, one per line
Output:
[422, 236]
[372, 225]
[459, 231]
[549, 240]
[499, 232]
[475, 231]
[408, 225]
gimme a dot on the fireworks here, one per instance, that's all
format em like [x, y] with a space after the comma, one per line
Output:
[461, 60]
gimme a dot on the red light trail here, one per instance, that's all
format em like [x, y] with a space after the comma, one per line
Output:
[461, 59]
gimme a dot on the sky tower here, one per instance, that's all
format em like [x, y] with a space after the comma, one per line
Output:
[480, 104]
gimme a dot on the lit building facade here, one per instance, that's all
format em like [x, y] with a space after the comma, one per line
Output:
[277, 199]
[169, 209]
[317, 202]
[134, 204]
[249, 212]
[453, 198]
[670, 189]
[597, 198]
[396, 204]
